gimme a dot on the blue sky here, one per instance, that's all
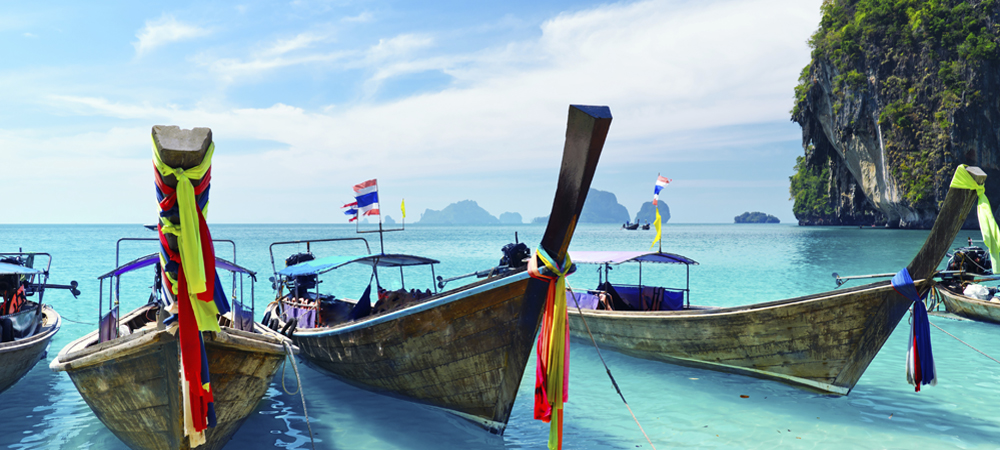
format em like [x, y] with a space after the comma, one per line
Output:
[441, 101]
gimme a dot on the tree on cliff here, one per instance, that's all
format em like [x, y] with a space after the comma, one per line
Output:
[897, 94]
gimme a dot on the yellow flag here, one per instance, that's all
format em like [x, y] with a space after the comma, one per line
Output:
[402, 206]
[658, 227]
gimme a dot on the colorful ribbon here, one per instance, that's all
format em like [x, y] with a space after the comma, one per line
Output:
[920, 368]
[194, 283]
[552, 369]
[987, 224]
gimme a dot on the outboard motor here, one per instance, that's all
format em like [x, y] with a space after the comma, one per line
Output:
[302, 283]
[515, 255]
[973, 260]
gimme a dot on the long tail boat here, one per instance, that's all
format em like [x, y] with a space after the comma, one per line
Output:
[821, 342]
[463, 350]
[132, 370]
[968, 307]
[26, 326]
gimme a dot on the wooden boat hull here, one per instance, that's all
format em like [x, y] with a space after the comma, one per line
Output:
[464, 352]
[18, 357]
[968, 307]
[821, 342]
[133, 383]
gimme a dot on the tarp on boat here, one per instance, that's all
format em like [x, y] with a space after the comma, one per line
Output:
[618, 257]
[16, 269]
[152, 258]
[328, 263]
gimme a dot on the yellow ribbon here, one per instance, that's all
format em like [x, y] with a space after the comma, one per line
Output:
[659, 227]
[188, 237]
[987, 223]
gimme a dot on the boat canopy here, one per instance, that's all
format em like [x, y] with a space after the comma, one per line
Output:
[328, 263]
[152, 258]
[618, 257]
[17, 269]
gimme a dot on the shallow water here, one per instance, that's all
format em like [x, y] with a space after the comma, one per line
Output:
[678, 407]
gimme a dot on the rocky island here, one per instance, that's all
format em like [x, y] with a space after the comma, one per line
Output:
[896, 96]
[755, 217]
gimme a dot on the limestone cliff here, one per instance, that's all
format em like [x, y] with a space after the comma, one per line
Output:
[898, 93]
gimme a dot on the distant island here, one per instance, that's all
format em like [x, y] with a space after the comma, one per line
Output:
[388, 220]
[465, 212]
[756, 217]
[600, 207]
[510, 218]
[647, 214]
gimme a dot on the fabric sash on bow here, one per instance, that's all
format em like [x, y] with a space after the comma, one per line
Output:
[552, 369]
[919, 357]
[987, 224]
[194, 284]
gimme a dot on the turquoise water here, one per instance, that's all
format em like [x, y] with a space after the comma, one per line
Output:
[677, 406]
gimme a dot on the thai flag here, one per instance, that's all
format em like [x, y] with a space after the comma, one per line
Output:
[352, 210]
[661, 182]
[366, 195]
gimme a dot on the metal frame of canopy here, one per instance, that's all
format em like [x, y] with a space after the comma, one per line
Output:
[606, 258]
[326, 264]
[114, 291]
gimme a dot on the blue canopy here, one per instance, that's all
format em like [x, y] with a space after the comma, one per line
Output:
[17, 269]
[152, 258]
[617, 257]
[328, 263]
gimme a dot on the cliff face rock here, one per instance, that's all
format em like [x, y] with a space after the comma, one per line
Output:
[896, 96]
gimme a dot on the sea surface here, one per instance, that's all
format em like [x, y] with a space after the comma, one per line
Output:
[678, 407]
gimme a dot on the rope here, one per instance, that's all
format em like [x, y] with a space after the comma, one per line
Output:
[613, 382]
[76, 321]
[298, 387]
[966, 343]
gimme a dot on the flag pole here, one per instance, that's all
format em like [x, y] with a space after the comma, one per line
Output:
[659, 225]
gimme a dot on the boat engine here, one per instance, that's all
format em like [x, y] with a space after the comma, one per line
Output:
[515, 255]
[974, 260]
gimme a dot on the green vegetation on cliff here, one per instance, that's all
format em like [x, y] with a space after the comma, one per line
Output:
[922, 67]
[810, 190]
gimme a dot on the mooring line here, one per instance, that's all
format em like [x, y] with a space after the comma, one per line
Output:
[298, 387]
[966, 343]
[76, 321]
[615, 383]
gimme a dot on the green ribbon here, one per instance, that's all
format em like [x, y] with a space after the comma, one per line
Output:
[189, 236]
[987, 224]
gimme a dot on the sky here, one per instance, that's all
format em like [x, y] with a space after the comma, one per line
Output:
[440, 101]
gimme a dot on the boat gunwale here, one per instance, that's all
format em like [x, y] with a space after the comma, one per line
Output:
[84, 351]
[442, 299]
[47, 332]
[742, 309]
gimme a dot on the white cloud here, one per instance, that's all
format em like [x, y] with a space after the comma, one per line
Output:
[364, 17]
[300, 41]
[163, 31]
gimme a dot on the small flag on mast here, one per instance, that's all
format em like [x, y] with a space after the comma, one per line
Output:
[402, 207]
